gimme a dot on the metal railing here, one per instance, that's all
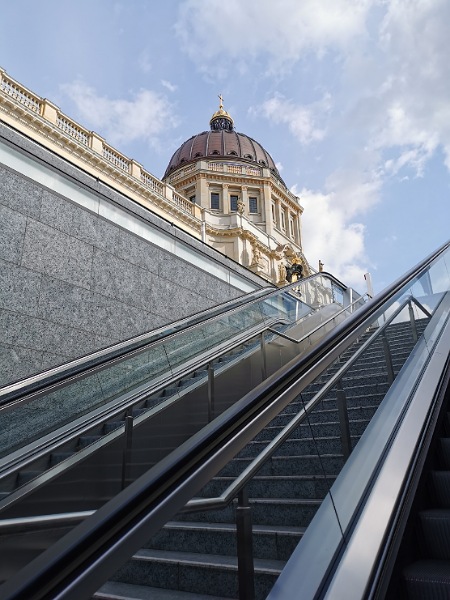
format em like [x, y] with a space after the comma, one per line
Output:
[137, 398]
[118, 352]
[78, 564]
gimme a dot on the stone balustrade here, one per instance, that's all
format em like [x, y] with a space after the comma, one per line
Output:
[51, 115]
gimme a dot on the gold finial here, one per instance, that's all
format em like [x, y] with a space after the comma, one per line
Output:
[221, 119]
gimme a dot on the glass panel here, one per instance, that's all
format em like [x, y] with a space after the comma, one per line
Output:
[57, 408]
[374, 405]
[215, 201]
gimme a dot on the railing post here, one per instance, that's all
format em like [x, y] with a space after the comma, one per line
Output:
[412, 318]
[244, 533]
[263, 357]
[346, 441]
[128, 440]
[388, 358]
[210, 392]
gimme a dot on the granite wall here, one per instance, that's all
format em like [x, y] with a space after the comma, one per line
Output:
[72, 282]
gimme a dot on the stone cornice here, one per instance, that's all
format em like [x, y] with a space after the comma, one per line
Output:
[23, 110]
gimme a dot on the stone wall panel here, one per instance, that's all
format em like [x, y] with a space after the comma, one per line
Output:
[19, 193]
[12, 234]
[19, 288]
[56, 254]
[65, 216]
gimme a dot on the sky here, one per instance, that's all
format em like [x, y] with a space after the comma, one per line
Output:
[350, 97]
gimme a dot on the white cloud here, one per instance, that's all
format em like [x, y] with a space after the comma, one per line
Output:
[300, 119]
[411, 111]
[170, 86]
[332, 225]
[237, 33]
[144, 62]
[120, 121]
[329, 237]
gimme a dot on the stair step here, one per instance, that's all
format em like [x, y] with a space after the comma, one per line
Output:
[87, 440]
[326, 429]
[116, 590]
[57, 457]
[265, 511]
[440, 481]
[112, 426]
[445, 452]
[363, 389]
[294, 486]
[435, 526]
[195, 573]
[319, 445]
[26, 476]
[269, 542]
[307, 464]
[427, 579]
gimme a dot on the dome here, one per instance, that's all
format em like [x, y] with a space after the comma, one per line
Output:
[222, 142]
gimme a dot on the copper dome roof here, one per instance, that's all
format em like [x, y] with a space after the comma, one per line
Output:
[222, 142]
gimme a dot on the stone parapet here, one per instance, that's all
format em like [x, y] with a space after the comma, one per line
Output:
[37, 116]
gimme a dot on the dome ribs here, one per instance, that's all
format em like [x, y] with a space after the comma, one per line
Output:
[222, 144]
[215, 143]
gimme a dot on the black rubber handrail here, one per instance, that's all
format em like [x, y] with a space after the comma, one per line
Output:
[99, 357]
[76, 565]
[117, 352]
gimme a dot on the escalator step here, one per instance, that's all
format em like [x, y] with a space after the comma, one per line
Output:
[26, 476]
[428, 580]
[445, 452]
[441, 484]
[170, 391]
[58, 457]
[435, 525]
[112, 426]
[138, 411]
[87, 440]
[115, 590]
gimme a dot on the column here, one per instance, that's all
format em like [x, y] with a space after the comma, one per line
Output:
[225, 199]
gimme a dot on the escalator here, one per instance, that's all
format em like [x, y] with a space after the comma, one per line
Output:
[273, 433]
[73, 438]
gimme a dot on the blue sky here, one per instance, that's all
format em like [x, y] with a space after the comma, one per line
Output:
[350, 97]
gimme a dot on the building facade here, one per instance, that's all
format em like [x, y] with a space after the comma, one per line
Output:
[91, 253]
[220, 186]
[247, 211]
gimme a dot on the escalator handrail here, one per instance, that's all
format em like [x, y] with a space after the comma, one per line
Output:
[356, 532]
[259, 461]
[127, 401]
[78, 563]
[69, 372]
[320, 325]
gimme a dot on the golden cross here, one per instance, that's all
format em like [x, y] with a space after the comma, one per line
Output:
[221, 101]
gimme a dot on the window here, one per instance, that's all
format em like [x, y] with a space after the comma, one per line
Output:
[192, 199]
[252, 205]
[233, 203]
[283, 220]
[291, 227]
[274, 214]
[215, 201]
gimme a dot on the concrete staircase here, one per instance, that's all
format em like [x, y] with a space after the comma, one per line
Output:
[194, 556]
